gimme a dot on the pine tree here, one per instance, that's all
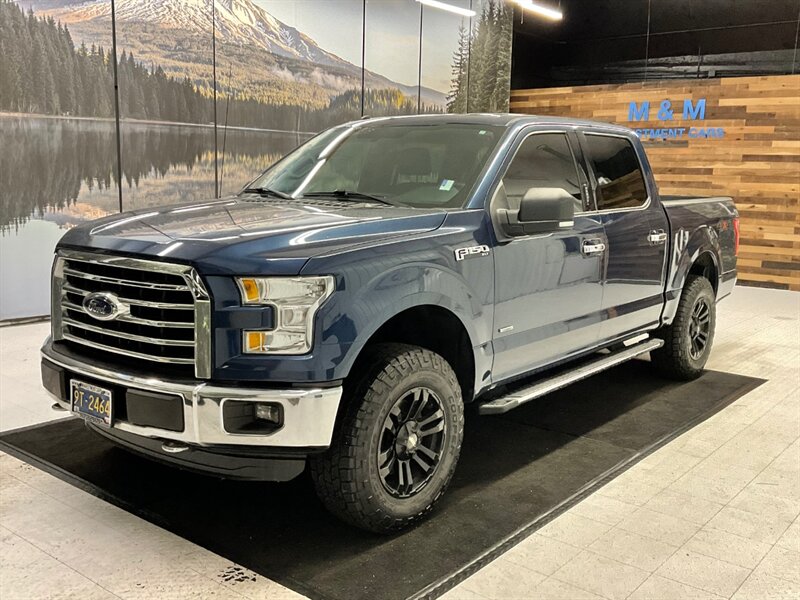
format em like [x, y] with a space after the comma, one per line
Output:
[457, 98]
[502, 59]
[151, 99]
[486, 75]
[479, 51]
[65, 74]
[37, 102]
[136, 107]
[490, 59]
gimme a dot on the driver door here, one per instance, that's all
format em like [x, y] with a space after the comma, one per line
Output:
[548, 287]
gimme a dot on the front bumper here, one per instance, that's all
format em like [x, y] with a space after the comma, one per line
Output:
[309, 414]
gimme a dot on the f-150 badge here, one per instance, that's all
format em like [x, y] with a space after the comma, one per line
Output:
[472, 251]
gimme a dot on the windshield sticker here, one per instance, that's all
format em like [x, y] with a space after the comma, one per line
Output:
[446, 185]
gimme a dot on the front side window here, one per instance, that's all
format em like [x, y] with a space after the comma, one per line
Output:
[415, 165]
[620, 183]
[544, 160]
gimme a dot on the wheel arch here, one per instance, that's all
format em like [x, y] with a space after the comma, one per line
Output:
[698, 255]
[705, 265]
[435, 328]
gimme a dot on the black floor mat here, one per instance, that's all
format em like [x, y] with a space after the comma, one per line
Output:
[516, 472]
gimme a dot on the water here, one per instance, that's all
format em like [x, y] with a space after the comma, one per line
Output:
[57, 173]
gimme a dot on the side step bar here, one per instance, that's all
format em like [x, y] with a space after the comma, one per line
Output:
[542, 387]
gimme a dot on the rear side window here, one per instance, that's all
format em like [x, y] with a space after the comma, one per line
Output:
[620, 183]
[544, 160]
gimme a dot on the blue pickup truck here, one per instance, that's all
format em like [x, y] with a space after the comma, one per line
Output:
[343, 308]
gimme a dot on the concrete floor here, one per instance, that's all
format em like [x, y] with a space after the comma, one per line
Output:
[713, 514]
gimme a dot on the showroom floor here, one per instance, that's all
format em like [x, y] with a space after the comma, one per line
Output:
[713, 514]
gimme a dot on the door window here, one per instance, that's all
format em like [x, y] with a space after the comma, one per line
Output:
[620, 183]
[544, 160]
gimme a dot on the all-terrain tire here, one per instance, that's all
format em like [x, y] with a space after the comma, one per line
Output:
[348, 477]
[678, 358]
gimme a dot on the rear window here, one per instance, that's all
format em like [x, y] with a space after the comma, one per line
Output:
[620, 183]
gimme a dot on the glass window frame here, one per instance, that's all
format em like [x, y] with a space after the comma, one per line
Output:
[593, 183]
[587, 199]
[345, 130]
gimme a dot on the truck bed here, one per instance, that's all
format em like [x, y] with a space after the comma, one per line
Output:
[697, 222]
[678, 200]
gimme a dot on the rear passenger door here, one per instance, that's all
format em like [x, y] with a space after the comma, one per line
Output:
[636, 229]
[548, 287]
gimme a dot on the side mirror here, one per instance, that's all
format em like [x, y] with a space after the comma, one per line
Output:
[542, 210]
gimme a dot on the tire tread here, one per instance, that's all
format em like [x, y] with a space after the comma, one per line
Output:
[335, 473]
[672, 359]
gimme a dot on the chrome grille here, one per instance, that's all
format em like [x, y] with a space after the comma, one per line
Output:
[163, 316]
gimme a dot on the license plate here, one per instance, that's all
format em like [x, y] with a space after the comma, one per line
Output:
[91, 402]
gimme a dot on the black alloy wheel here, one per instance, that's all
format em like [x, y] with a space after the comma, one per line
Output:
[397, 442]
[411, 442]
[699, 327]
[688, 339]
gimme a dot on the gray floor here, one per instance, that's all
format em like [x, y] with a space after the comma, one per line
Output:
[714, 514]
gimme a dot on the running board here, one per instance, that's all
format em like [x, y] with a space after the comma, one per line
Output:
[540, 388]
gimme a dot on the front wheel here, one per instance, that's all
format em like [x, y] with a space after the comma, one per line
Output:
[397, 445]
[688, 339]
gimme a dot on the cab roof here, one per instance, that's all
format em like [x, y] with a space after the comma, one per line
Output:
[507, 120]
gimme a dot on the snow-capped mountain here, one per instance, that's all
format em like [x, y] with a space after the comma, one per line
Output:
[239, 22]
[174, 33]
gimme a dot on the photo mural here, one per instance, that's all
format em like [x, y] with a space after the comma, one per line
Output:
[210, 94]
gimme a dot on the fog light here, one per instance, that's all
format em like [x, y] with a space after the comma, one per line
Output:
[245, 417]
[268, 412]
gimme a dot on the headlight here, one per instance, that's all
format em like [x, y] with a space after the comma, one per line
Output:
[296, 300]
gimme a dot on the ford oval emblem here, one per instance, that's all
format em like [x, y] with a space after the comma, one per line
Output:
[102, 306]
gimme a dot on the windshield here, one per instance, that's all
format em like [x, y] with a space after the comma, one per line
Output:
[421, 165]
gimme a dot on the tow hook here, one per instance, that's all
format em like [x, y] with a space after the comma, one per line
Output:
[173, 447]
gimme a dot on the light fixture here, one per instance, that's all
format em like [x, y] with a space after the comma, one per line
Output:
[294, 302]
[545, 11]
[464, 12]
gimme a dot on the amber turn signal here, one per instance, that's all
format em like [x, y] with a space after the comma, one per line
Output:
[255, 341]
[249, 290]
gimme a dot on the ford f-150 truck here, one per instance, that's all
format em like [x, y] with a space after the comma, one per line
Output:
[344, 307]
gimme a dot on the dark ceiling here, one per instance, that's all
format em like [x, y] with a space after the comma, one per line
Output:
[605, 41]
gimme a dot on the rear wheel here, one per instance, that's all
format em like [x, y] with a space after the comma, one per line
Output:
[688, 339]
[397, 445]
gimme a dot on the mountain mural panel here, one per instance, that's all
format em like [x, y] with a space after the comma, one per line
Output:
[275, 84]
[269, 61]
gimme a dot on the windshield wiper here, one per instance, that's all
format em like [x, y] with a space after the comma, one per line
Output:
[267, 192]
[348, 194]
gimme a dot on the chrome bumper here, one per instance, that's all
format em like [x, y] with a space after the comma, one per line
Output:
[309, 414]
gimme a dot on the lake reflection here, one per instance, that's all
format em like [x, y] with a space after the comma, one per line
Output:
[57, 173]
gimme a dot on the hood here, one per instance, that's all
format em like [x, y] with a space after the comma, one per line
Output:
[251, 234]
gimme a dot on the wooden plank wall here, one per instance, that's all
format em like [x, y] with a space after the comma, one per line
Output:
[757, 162]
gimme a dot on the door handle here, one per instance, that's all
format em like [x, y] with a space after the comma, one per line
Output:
[593, 247]
[657, 236]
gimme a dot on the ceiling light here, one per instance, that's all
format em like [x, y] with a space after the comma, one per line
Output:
[545, 11]
[464, 12]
